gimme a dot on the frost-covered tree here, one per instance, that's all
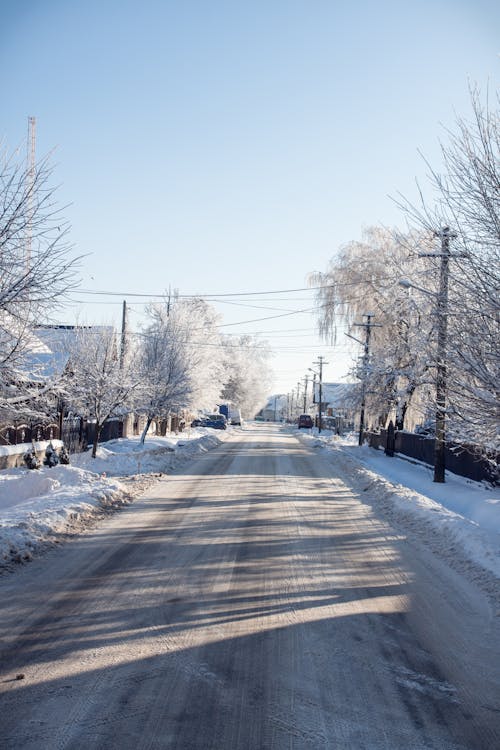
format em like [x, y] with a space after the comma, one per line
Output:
[187, 363]
[248, 374]
[98, 385]
[363, 278]
[180, 359]
[464, 194]
[203, 346]
[36, 266]
[164, 366]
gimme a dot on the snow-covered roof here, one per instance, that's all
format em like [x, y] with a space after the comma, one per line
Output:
[336, 395]
[49, 350]
[62, 337]
[279, 401]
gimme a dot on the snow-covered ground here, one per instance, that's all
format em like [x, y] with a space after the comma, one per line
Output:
[42, 507]
[460, 514]
[39, 508]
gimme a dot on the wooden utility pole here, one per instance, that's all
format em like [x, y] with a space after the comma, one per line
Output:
[320, 362]
[366, 358]
[441, 364]
[441, 357]
[123, 347]
[306, 380]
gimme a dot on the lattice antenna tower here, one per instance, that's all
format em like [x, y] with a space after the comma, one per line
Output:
[30, 173]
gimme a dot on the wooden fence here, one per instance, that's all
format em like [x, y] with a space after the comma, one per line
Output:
[460, 459]
[77, 433]
[15, 434]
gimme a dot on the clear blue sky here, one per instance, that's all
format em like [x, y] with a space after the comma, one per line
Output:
[220, 147]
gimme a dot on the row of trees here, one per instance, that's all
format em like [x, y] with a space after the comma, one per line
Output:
[179, 360]
[397, 278]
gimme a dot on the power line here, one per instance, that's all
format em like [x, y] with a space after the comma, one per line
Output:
[269, 317]
[258, 345]
[245, 304]
[217, 296]
[198, 296]
[242, 303]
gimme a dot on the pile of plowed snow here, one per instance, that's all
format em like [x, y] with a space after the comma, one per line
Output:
[40, 507]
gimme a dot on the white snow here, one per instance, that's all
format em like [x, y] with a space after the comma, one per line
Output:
[39, 507]
[460, 514]
[38, 446]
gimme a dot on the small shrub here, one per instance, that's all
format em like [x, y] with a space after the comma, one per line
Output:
[31, 459]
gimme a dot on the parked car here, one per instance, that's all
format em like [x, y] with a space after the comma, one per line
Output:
[305, 420]
[232, 414]
[235, 417]
[216, 421]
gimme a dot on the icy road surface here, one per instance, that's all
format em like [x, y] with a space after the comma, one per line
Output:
[254, 600]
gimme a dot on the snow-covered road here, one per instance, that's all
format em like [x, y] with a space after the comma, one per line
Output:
[260, 597]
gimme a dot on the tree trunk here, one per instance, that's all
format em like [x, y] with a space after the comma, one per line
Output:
[400, 418]
[97, 435]
[145, 430]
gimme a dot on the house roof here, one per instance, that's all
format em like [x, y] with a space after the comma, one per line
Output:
[278, 401]
[49, 350]
[336, 395]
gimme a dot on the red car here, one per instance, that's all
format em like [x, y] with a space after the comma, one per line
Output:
[305, 421]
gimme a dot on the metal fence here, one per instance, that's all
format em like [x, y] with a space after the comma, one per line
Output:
[460, 459]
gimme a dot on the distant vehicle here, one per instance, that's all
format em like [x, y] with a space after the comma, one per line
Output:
[232, 414]
[305, 420]
[235, 416]
[216, 421]
[224, 409]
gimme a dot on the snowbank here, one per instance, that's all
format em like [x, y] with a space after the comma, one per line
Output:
[127, 456]
[13, 455]
[39, 508]
[460, 514]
